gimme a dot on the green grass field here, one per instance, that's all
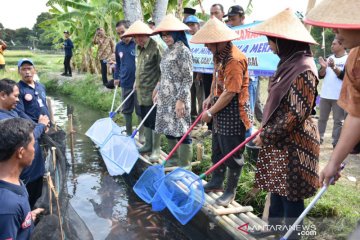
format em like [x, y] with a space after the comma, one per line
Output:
[335, 215]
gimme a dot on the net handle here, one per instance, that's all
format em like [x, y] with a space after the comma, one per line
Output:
[308, 208]
[112, 114]
[113, 100]
[230, 154]
[183, 138]
[142, 122]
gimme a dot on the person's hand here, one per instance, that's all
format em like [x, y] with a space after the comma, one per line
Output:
[180, 109]
[207, 103]
[331, 63]
[117, 83]
[155, 97]
[329, 171]
[36, 212]
[323, 62]
[43, 119]
[257, 141]
[205, 117]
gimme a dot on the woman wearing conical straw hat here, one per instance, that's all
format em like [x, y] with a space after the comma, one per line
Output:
[147, 75]
[288, 160]
[228, 105]
[346, 23]
[173, 92]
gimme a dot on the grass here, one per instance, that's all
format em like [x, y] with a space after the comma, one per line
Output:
[335, 215]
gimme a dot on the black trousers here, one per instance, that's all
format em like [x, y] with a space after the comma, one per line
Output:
[150, 121]
[67, 68]
[104, 71]
[282, 211]
[34, 189]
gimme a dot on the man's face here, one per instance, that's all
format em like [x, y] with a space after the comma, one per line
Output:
[101, 32]
[10, 101]
[27, 72]
[236, 20]
[273, 46]
[28, 153]
[216, 11]
[120, 30]
[336, 46]
[194, 27]
[141, 40]
[350, 38]
[66, 35]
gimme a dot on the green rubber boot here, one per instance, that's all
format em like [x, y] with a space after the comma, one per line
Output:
[185, 156]
[128, 124]
[173, 161]
[147, 147]
[155, 154]
[228, 196]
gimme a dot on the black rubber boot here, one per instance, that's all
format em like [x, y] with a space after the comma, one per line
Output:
[216, 182]
[128, 124]
[233, 176]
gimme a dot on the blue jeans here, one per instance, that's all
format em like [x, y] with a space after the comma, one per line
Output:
[253, 84]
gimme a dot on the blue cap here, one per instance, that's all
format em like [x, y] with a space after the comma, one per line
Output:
[25, 60]
[192, 19]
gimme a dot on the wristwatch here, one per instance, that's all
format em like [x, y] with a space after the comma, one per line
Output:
[209, 114]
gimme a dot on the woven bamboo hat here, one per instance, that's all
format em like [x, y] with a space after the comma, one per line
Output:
[171, 24]
[138, 28]
[284, 25]
[335, 14]
[214, 31]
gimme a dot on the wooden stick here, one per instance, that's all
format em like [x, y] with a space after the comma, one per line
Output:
[53, 150]
[51, 111]
[233, 210]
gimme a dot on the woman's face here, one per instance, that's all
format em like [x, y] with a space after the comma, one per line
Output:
[350, 38]
[166, 36]
[273, 46]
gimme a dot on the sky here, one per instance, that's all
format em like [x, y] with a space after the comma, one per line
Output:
[21, 13]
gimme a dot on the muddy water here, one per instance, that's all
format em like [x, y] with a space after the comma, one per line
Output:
[107, 206]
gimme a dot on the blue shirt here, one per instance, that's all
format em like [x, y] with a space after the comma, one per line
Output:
[15, 213]
[68, 46]
[125, 64]
[32, 101]
[37, 167]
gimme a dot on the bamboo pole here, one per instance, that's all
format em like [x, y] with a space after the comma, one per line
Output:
[53, 150]
[51, 111]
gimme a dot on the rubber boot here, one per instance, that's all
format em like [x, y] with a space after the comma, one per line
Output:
[216, 182]
[173, 161]
[155, 154]
[185, 155]
[128, 124]
[141, 131]
[147, 147]
[233, 176]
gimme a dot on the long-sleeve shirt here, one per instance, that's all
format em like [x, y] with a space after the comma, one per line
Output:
[125, 64]
[106, 47]
[147, 71]
[68, 46]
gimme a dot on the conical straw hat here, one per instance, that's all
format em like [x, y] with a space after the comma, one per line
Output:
[214, 31]
[138, 28]
[335, 14]
[170, 24]
[284, 25]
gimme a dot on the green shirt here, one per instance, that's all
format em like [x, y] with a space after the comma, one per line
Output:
[147, 71]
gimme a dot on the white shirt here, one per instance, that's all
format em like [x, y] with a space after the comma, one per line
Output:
[332, 84]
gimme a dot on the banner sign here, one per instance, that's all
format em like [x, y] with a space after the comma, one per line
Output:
[261, 60]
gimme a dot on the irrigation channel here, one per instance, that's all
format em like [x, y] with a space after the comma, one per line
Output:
[105, 207]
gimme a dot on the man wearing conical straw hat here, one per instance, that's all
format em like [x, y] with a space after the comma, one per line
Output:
[228, 105]
[288, 160]
[147, 75]
[346, 23]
